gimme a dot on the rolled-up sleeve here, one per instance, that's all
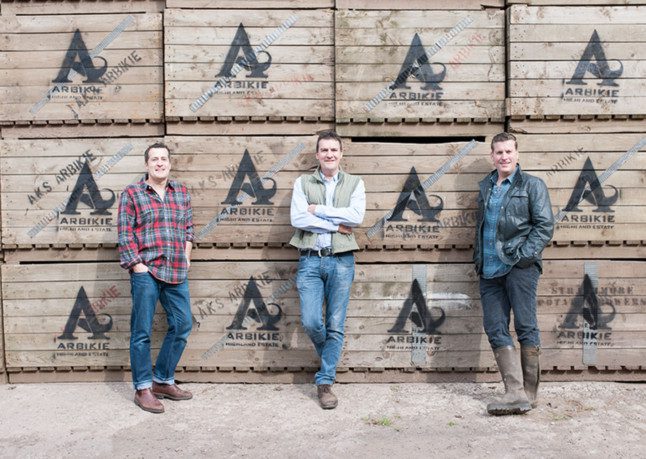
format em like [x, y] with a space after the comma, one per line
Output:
[190, 234]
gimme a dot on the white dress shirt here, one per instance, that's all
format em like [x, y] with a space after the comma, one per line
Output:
[327, 218]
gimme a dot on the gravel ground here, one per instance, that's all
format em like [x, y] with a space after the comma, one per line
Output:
[373, 420]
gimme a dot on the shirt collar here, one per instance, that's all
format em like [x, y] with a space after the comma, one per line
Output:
[335, 178]
[172, 184]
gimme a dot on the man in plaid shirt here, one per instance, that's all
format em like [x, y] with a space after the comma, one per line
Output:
[155, 239]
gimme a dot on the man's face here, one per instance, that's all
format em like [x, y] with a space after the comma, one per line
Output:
[158, 165]
[504, 157]
[329, 155]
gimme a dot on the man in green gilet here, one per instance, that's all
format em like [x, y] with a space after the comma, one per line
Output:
[326, 205]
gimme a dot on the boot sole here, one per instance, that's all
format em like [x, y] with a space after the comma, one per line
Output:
[170, 397]
[509, 410]
[329, 407]
[149, 410]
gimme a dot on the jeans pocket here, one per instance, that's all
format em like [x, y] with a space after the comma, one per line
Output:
[524, 263]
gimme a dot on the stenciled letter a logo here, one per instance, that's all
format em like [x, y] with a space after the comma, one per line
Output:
[83, 65]
[422, 317]
[90, 323]
[249, 61]
[586, 304]
[601, 69]
[589, 189]
[92, 199]
[414, 198]
[259, 313]
[416, 64]
[254, 188]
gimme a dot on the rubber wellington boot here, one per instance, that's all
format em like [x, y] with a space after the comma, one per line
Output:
[529, 359]
[514, 401]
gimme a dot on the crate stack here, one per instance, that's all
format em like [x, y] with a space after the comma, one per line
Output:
[82, 88]
[239, 91]
[575, 82]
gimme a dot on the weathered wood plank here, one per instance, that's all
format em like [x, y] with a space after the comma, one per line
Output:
[194, 19]
[610, 15]
[219, 4]
[417, 4]
[87, 8]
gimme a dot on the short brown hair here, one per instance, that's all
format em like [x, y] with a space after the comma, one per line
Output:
[156, 145]
[503, 137]
[330, 134]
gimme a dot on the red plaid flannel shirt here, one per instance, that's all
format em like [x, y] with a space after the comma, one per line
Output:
[155, 233]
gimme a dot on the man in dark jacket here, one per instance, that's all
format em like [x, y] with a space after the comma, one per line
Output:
[514, 225]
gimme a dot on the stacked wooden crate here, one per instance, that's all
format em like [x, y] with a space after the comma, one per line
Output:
[415, 312]
[249, 71]
[575, 82]
[82, 96]
[419, 70]
[97, 71]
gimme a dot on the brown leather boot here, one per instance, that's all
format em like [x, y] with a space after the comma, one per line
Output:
[327, 399]
[145, 400]
[530, 361]
[170, 391]
[514, 401]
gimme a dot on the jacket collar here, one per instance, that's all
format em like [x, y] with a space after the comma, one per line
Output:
[518, 177]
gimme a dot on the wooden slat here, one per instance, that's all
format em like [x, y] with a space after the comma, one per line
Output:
[417, 4]
[578, 2]
[219, 4]
[37, 7]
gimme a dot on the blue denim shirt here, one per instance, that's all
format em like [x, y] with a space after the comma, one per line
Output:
[493, 266]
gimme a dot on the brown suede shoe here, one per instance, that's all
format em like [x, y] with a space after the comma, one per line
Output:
[327, 399]
[170, 391]
[145, 400]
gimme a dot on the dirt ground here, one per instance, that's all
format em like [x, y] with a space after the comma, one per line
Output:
[373, 420]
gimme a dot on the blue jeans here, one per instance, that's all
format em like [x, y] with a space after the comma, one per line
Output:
[326, 279]
[175, 299]
[515, 291]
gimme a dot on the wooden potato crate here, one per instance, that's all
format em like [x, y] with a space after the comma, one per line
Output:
[608, 213]
[65, 191]
[266, 65]
[388, 71]
[592, 315]
[571, 61]
[81, 69]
